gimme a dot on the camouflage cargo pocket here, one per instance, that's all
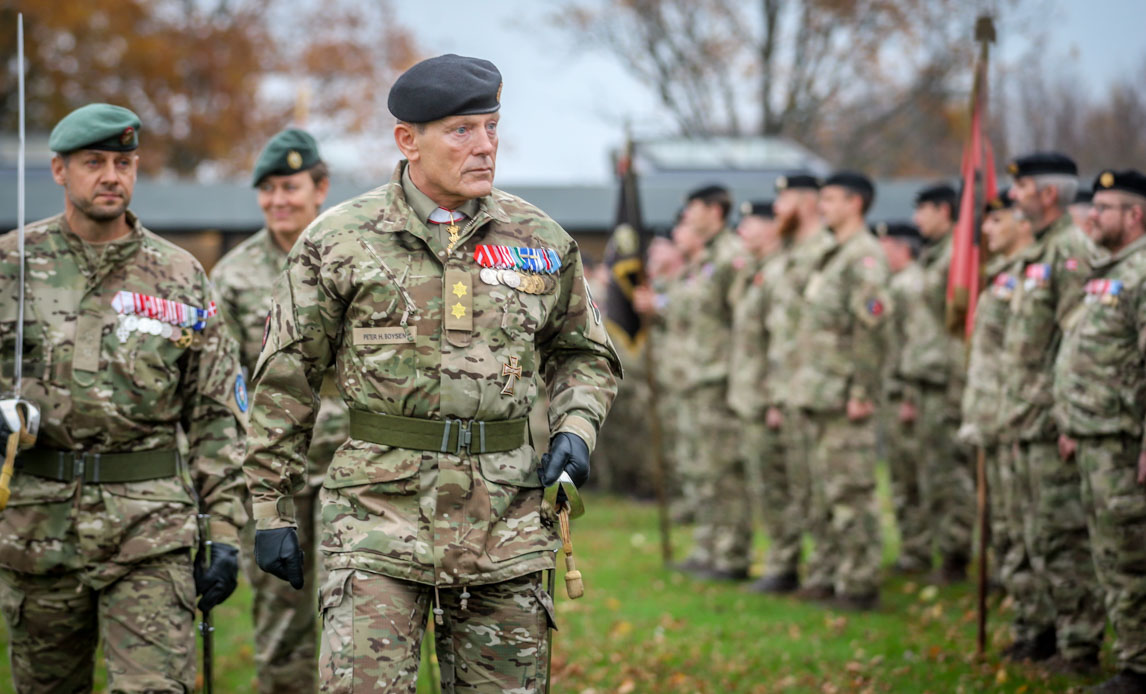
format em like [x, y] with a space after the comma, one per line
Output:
[336, 649]
[515, 496]
[11, 604]
[370, 501]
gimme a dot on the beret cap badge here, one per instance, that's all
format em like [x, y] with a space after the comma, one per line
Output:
[781, 183]
[127, 135]
[1106, 179]
[1012, 168]
[294, 159]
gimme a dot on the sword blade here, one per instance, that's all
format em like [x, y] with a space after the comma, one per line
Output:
[19, 356]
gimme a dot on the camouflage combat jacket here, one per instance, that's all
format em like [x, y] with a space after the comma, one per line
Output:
[840, 340]
[244, 278]
[797, 263]
[1100, 371]
[750, 340]
[981, 398]
[931, 355]
[904, 289]
[1051, 272]
[102, 389]
[668, 331]
[706, 299]
[412, 331]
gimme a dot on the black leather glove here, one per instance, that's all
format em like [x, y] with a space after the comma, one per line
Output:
[567, 452]
[277, 552]
[216, 582]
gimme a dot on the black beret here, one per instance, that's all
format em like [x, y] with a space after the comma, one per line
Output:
[1002, 201]
[1040, 163]
[757, 209]
[1128, 181]
[288, 152]
[797, 180]
[937, 194]
[1083, 197]
[448, 85]
[904, 231]
[853, 181]
[96, 126]
[706, 193]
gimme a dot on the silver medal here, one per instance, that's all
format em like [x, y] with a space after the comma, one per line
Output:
[510, 278]
[131, 323]
[166, 330]
[488, 275]
[121, 330]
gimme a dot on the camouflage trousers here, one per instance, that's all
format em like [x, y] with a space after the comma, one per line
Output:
[493, 638]
[765, 454]
[1023, 572]
[1058, 534]
[904, 459]
[722, 536]
[946, 480]
[145, 620]
[686, 470]
[844, 522]
[1116, 517]
[1000, 538]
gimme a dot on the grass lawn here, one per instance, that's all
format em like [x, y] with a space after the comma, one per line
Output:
[641, 628]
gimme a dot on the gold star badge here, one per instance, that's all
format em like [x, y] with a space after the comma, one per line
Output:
[459, 290]
[458, 310]
[294, 159]
[1106, 179]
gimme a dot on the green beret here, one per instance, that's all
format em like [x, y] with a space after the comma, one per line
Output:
[288, 152]
[96, 126]
[1128, 181]
[448, 85]
[1042, 163]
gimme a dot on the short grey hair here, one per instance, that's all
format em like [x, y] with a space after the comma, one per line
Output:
[1065, 185]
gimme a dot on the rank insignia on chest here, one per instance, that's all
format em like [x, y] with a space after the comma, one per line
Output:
[1103, 291]
[1036, 275]
[173, 320]
[527, 270]
[1004, 286]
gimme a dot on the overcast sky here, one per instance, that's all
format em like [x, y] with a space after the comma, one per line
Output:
[564, 109]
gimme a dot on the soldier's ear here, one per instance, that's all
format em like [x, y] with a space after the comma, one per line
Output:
[59, 167]
[405, 136]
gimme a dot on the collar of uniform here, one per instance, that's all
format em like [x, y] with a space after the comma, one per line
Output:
[423, 206]
[1064, 220]
[1101, 258]
[99, 258]
[272, 247]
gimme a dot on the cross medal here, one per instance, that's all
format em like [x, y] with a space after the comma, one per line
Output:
[514, 372]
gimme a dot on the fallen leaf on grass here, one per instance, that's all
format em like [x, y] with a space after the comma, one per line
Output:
[627, 687]
[620, 629]
[929, 593]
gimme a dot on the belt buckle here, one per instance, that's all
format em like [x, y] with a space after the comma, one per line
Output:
[465, 435]
[80, 465]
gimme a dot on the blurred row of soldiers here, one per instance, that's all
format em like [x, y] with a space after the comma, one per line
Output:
[784, 350]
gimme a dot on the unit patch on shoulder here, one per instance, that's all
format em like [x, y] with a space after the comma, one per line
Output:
[241, 393]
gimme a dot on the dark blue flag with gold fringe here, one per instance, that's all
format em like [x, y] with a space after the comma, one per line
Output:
[624, 255]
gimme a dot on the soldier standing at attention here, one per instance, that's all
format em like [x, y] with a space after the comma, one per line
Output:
[291, 181]
[1005, 233]
[723, 531]
[841, 347]
[747, 392]
[1099, 404]
[804, 240]
[1052, 271]
[122, 350]
[932, 365]
[438, 298]
[901, 245]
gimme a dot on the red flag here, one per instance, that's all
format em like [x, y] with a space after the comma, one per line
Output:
[979, 186]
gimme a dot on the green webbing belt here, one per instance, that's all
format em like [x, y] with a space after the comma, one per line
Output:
[448, 436]
[65, 466]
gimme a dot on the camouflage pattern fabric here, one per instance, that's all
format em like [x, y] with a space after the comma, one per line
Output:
[622, 460]
[103, 389]
[723, 530]
[145, 621]
[901, 438]
[1051, 272]
[1023, 571]
[494, 638]
[671, 364]
[841, 347]
[932, 361]
[1100, 400]
[412, 331]
[285, 619]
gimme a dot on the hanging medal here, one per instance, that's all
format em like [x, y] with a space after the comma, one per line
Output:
[453, 230]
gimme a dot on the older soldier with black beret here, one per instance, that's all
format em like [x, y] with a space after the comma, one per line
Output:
[438, 298]
[123, 349]
[1100, 403]
[291, 183]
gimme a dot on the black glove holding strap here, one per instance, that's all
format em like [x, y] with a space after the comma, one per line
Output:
[277, 552]
[216, 583]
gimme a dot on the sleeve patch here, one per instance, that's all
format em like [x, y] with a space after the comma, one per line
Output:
[241, 393]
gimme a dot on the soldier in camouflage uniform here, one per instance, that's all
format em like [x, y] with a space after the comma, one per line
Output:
[932, 365]
[841, 346]
[1051, 272]
[1099, 405]
[714, 466]
[438, 298]
[122, 351]
[901, 244]
[292, 183]
[804, 240]
[761, 448]
[1005, 233]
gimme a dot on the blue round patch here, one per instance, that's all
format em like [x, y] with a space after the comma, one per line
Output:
[241, 393]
